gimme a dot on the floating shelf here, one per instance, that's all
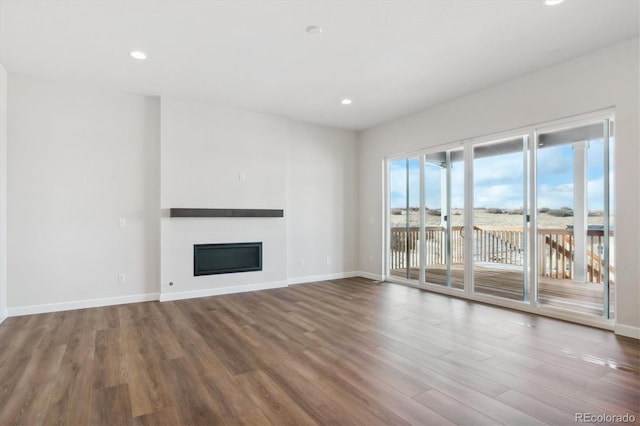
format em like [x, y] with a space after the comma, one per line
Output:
[178, 212]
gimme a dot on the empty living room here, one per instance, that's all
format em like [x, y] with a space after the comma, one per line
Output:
[322, 212]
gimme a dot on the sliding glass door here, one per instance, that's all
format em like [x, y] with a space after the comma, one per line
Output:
[404, 218]
[443, 257]
[575, 262]
[500, 219]
[523, 219]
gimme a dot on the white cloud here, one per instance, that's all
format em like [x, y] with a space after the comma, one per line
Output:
[555, 196]
[595, 192]
[555, 160]
[504, 168]
[506, 196]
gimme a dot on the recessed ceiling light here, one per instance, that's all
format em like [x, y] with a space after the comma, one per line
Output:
[137, 54]
[552, 2]
[313, 29]
[346, 101]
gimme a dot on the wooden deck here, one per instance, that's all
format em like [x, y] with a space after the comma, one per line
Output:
[584, 298]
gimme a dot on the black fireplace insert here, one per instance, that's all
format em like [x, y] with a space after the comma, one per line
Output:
[209, 259]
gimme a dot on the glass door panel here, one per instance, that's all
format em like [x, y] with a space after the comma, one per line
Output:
[435, 234]
[404, 218]
[444, 218]
[456, 215]
[500, 219]
[575, 263]
[610, 243]
[597, 221]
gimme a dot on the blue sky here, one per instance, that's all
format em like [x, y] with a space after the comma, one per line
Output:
[498, 180]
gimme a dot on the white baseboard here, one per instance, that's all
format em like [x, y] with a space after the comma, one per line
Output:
[180, 295]
[165, 297]
[81, 304]
[3, 316]
[369, 275]
[326, 277]
[627, 330]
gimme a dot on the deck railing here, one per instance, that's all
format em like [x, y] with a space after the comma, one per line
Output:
[435, 253]
[500, 245]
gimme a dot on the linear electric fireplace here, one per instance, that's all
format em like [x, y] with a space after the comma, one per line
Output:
[209, 259]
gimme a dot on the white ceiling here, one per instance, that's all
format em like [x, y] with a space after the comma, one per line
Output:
[391, 57]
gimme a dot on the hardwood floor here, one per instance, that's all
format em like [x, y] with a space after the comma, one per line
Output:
[342, 352]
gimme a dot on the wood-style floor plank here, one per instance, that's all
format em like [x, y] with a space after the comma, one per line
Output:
[111, 406]
[69, 403]
[343, 352]
[276, 405]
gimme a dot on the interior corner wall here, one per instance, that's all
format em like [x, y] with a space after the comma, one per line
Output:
[79, 160]
[3, 193]
[599, 80]
[321, 203]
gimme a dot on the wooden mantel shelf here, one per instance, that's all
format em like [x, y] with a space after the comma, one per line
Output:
[180, 212]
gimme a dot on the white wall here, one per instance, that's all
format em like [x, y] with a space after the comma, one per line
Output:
[3, 193]
[204, 149]
[321, 202]
[80, 158]
[306, 170]
[599, 80]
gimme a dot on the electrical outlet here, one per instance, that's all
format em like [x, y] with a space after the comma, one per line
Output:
[370, 259]
[328, 261]
[123, 222]
[122, 278]
[300, 263]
